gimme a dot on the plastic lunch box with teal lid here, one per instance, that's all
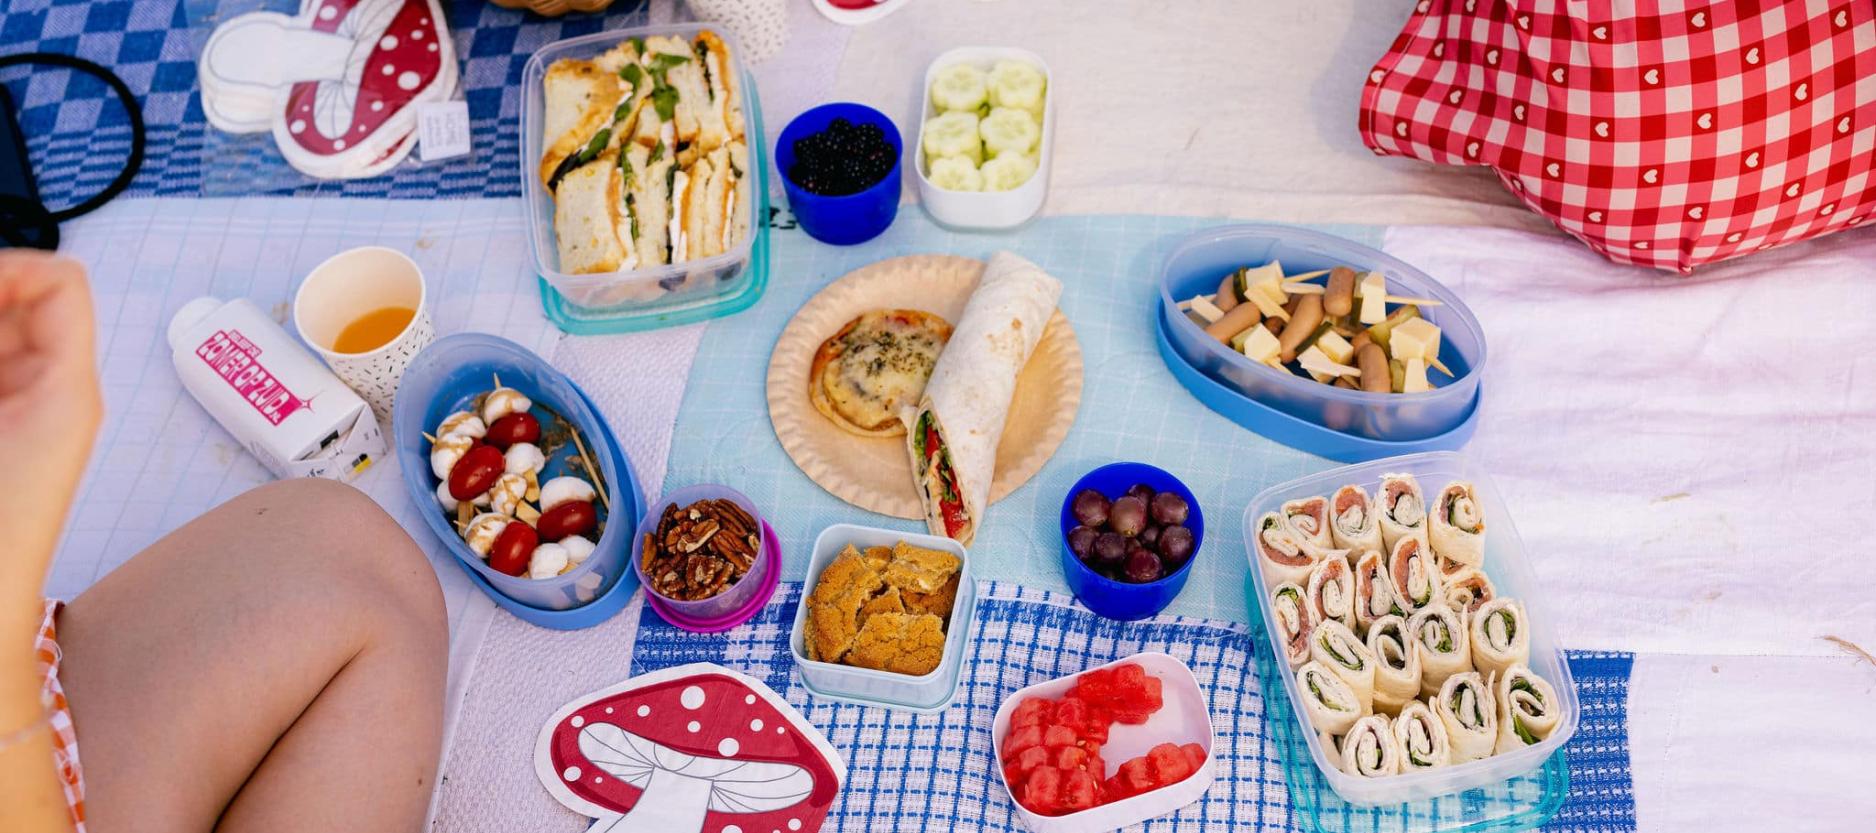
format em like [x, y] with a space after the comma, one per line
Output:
[447, 377]
[1202, 259]
[1501, 776]
[658, 296]
[930, 693]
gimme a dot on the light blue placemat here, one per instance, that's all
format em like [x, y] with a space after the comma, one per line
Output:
[1131, 408]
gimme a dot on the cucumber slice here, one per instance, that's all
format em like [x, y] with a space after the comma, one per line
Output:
[1008, 130]
[1008, 172]
[956, 173]
[953, 134]
[1016, 84]
[959, 87]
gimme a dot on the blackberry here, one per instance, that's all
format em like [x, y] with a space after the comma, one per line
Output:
[844, 159]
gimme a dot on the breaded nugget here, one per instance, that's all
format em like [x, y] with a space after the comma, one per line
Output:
[834, 607]
[919, 569]
[937, 603]
[902, 643]
[878, 557]
[887, 602]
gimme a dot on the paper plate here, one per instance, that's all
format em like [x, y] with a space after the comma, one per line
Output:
[876, 473]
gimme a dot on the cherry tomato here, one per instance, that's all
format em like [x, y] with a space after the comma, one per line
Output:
[514, 428]
[573, 517]
[512, 549]
[476, 472]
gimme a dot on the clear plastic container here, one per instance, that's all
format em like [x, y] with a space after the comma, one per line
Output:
[662, 295]
[930, 693]
[447, 377]
[734, 597]
[1184, 717]
[1200, 261]
[986, 210]
[1512, 577]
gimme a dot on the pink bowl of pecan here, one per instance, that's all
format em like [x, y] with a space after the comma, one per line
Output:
[701, 552]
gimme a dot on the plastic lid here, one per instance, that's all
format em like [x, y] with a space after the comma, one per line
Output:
[191, 314]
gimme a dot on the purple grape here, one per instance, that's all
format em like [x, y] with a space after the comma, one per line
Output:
[1128, 516]
[1110, 549]
[1175, 546]
[1090, 508]
[1081, 540]
[1169, 509]
[1142, 567]
[1149, 537]
[1142, 491]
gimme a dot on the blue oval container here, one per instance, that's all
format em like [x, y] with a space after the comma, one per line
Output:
[446, 377]
[1203, 259]
[850, 219]
[1122, 600]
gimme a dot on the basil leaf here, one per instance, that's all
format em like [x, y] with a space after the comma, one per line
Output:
[664, 100]
[632, 73]
[664, 61]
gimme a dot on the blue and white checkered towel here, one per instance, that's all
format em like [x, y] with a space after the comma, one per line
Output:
[912, 772]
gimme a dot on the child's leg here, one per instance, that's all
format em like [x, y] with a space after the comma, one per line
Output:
[277, 664]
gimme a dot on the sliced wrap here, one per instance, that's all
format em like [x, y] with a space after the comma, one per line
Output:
[1403, 510]
[1369, 749]
[1466, 590]
[1332, 592]
[1374, 593]
[1282, 557]
[1396, 664]
[1329, 702]
[1421, 737]
[1439, 636]
[1464, 706]
[1412, 575]
[1290, 607]
[1456, 526]
[1308, 518]
[1528, 709]
[1335, 647]
[952, 435]
[1353, 523]
[1500, 636]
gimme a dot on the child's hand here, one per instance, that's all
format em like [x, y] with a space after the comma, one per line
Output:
[49, 409]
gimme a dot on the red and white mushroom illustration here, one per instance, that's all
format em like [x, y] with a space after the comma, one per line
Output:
[693, 749]
[400, 51]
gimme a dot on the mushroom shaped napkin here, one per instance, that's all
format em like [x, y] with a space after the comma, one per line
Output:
[689, 749]
[337, 85]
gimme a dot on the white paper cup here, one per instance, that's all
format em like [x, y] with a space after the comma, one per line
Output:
[761, 26]
[349, 285]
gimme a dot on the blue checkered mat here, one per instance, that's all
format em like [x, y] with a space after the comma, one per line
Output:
[78, 136]
[911, 772]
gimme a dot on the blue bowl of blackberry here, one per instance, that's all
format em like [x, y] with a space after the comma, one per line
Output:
[840, 169]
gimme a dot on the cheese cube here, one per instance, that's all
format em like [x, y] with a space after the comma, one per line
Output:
[1319, 364]
[1263, 286]
[1416, 378]
[1261, 346]
[1415, 338]
[1207, 310]
[1373, 292]
[1335, 347]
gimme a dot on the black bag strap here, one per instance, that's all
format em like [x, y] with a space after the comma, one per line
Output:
[18, 214]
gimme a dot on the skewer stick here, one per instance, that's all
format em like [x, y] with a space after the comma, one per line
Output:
[1314, 289]
[1304, 277]
[1437, 365]
[498, 378]
[591, 470]
[426, 435]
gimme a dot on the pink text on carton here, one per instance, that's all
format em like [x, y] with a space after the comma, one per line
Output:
[236, 360]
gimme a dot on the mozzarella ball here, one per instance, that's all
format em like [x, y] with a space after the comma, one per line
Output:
[502, 402]
[522, 458]
[444, 497]
[578, 549]
[446, 451]
[505, 495]
[562, 489]
[482, 532]
[548, 561]
[463, 423]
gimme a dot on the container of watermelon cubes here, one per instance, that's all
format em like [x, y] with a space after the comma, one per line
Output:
[1109, 747]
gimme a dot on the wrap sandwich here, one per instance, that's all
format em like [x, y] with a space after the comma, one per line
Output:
[952, 434]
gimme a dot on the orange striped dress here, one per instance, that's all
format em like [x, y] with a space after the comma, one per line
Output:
[65, 740]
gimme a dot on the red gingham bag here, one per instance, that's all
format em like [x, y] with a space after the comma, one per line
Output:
[1661, 133]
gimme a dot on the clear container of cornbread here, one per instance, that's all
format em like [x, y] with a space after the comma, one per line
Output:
[929, 692]
[634, 299]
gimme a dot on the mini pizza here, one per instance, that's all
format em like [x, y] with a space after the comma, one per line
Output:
[874, 367]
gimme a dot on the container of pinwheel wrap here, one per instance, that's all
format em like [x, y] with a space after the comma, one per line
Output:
[1447, 529]
[645, 176]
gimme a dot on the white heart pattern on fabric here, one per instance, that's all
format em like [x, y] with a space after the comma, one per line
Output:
[1641, 244]
[1699, 20]
[1752, 56]
[1524, 22]
[1705, 121]
[1424, 5]
[1695, 212]
[1602, 129]
[1491, 57]
[1803, 92]
[1439, 50]
[1842, 19]
[1652, 76]
[1556, 74]
[1472, 6]
[1595, 216]
[1827, 209]
[1455, 97]
[1377, 75]
[1651, 175]
[1752, 159]
[1555, 170]
[1400, 128]
[1793, 190]
[1600, 33]
[1843, 125]
[1517, 112]
[1472, 149]
[1733, 238]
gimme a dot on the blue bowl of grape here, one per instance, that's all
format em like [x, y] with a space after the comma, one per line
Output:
[1130, 532]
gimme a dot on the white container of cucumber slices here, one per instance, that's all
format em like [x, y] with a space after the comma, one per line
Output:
[984, 209]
